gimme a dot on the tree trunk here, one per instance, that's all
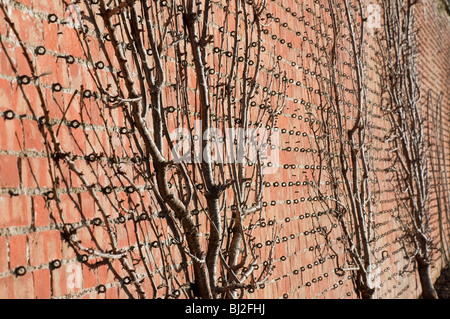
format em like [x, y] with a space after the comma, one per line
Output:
[367, 294]
[364, 290]
[428, 291]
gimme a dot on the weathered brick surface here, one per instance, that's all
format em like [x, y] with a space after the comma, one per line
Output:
[30, 224]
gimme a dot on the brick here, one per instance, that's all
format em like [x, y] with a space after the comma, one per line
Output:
[104, 274]
[55, 7]
[35, 173]
[88, 205]
[60, 281]
[11, 137]
[90, 277]
[68, 251]
[33, 139]
[23, 97]
[18, 255]
[32, 25]
[42, 284]
[23, 287]
[112, 293]
[5, 95]
[44, 246]
[17, 287]
[65, 139]
[5, 288]
[50, 34]
[3, 254]
[71, 212]
[40, 211]
[7, 60]
[80, 147]
[16, 210]
[70, 44]
[9, 173]
[21, 63]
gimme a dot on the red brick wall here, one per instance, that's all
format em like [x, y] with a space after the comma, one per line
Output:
[30, 225]
[434, 67]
